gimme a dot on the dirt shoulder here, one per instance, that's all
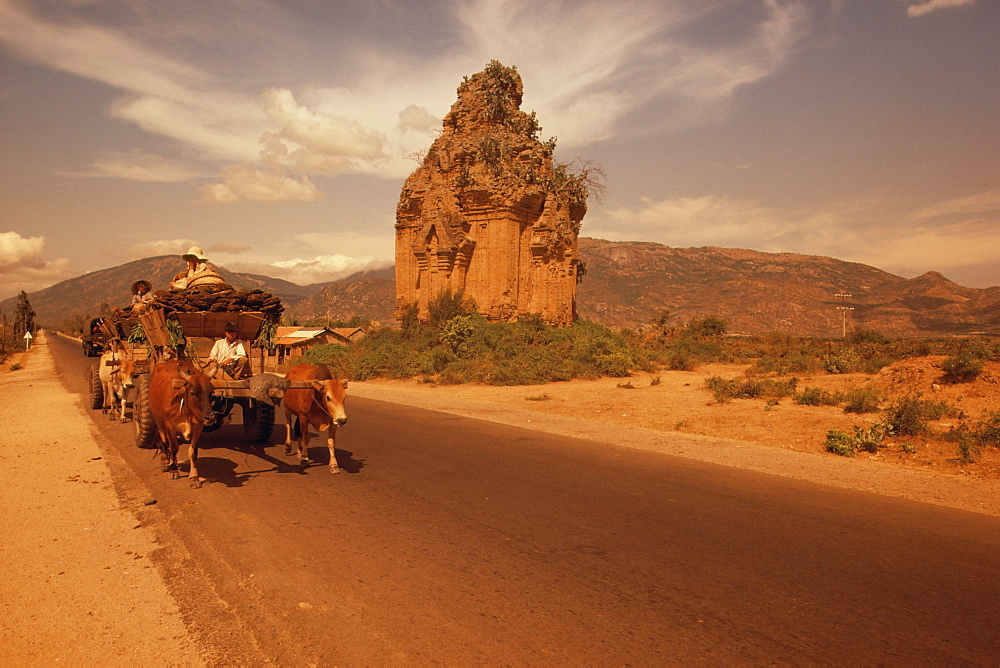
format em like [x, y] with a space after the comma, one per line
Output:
[80, 584]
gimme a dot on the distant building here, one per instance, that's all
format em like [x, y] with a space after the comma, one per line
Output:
[293, 342]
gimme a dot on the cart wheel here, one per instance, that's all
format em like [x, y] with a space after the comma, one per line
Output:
[94, 385]
[258, 420]
[142, 416]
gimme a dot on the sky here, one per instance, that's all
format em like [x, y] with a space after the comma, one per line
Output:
[277, 134]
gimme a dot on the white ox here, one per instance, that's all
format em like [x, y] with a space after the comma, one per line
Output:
[115, 372]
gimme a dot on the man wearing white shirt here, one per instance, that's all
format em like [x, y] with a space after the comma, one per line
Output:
[231, 353]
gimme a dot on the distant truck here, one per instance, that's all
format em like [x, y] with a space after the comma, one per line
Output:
[94, 341]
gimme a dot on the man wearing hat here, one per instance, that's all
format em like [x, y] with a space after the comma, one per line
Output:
[199, 271]
[142, 291]
[231, 353]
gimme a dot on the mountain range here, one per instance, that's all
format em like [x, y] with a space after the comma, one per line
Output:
[626, 284]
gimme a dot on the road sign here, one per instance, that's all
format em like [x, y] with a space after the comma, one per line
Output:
[27, 340]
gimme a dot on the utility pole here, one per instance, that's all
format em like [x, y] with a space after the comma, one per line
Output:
[844, 308]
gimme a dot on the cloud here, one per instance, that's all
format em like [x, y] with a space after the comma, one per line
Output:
[158, 248]
[983, 206]
[309, 270]
[316, 257]
[585, 71]
[17, 251]
[23, 267]
[588, 69]
[709, 220]
[318, 131]
[229, 248]
[927, 6]
[138, 165]
[247, 184]
[418, 119]
[163, 95]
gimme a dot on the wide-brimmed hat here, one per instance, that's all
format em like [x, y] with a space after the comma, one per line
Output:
[196, 252]
[139, 284]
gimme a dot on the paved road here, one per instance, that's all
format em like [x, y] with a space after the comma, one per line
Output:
[456, 541]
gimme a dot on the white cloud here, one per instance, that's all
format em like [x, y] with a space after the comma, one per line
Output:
[23, 267]
[981, 206]
[18, 251]
[95, 53]
[229, 248]
[308, 270]
[138, 165]
[927, 6]
[163, 95]
[709, 220]
[247, 184]
[584, 70]
[159, 247]
[217, 125]
[418, 119]
[316, 257]
[318, 131]
[587, 69]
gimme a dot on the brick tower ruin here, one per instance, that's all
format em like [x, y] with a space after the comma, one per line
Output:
[488, 214]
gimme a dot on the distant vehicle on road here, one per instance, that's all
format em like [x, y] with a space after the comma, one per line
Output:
[94, 341]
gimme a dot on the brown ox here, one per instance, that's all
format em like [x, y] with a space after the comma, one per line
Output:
[321, 406]
[180, 402]
[115, 372]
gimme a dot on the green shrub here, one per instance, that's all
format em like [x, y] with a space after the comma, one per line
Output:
[330, 354]
[781, 365]
[725, 390]
[866, 439]
[961, 368]
[967, 449]
[814, 396]
[840, 443]
[863, 336]
[843, 361]
[987, 430]
[446, 306]
[870, 439]
[862, 400]
[455, 333]
[909, 415]
[706, 327]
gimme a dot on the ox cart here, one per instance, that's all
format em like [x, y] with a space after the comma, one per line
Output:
[190, 335]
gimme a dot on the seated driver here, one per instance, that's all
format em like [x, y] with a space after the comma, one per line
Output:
[231, 353]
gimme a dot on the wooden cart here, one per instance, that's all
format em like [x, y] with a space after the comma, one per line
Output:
[201, 329]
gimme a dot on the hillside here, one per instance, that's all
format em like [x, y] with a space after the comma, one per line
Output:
[632, 283]
[368, 294]
[85, 294]
[628, 284]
